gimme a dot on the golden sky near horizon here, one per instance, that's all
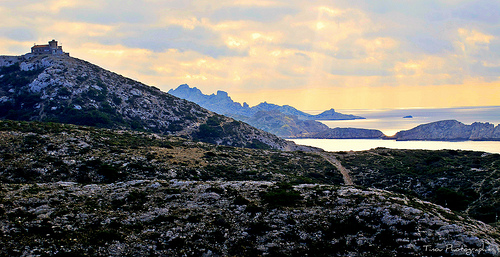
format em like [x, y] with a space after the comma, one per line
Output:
[313, 55]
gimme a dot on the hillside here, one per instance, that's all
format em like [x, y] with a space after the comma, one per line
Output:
[186, 218]
[80, 191]
[68, 90]
[51, 152]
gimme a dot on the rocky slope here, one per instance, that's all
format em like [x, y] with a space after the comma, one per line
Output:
[223, 104]
[450, 130]
[69, 90]
[239, 218]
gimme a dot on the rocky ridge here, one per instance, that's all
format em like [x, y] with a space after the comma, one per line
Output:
[69, 90]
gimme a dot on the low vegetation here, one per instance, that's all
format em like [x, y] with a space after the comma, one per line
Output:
[50, 152]
[464, 181]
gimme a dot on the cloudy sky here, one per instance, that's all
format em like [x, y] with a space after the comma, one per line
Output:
[314, 55]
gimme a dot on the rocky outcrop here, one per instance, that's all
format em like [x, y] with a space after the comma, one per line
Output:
[220, 102]
[450, 130]
[464, 181]
[69, 90]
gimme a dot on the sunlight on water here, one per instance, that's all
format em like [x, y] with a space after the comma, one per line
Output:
[335, 145]
[391, 121]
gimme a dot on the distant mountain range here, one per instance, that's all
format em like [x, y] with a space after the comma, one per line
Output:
[223, 104]
[68, 90]
[284, 121]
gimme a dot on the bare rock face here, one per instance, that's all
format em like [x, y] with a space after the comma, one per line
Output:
[450, 130]
[68, 90]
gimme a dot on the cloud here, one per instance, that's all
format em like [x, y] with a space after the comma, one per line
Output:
[487, 11]
[199, 39]
[253, 13]
[244, 46]
[110, 13]
[19, 34]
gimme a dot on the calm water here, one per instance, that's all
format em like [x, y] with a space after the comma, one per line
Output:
[390, 121]
[367, 144]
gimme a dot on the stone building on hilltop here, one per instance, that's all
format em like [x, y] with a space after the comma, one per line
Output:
[51, 48]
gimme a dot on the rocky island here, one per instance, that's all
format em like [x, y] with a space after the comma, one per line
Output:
[451, 130]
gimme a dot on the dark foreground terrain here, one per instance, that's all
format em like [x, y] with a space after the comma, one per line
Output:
[80, 191]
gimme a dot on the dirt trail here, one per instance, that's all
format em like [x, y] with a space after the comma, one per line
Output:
[345, 172]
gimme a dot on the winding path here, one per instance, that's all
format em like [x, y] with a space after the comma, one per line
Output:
[345, 172]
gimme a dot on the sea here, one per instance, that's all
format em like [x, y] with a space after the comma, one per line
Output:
[391, 121]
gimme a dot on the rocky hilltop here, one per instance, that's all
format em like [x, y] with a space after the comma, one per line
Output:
[82, 191]
[69, 90]
[450, 130]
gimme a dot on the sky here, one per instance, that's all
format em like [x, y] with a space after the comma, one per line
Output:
[313, 55]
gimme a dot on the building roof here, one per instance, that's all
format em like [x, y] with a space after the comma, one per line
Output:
[40, 46]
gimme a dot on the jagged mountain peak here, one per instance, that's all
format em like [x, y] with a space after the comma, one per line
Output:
[69, 90]
[223, 104]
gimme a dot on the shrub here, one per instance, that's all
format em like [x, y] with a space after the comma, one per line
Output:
[282, 195]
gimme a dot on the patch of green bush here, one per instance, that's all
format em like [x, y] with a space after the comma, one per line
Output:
[282, 195]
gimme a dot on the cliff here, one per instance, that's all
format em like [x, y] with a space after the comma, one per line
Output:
[447, 130]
